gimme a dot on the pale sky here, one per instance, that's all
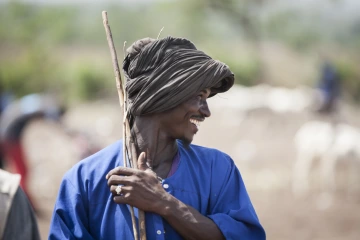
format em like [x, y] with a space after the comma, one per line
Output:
[79, 1]
[342, 7]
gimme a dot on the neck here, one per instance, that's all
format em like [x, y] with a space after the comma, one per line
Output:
[160, 148]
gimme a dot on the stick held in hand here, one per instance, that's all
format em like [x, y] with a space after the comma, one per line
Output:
[121, 93]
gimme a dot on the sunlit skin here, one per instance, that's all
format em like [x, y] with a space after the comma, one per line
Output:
[156, 136]
[176, 122]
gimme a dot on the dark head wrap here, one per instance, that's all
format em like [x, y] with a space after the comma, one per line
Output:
[161, 74]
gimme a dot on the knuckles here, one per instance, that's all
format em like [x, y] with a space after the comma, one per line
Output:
[125, 180]
[121, 171]
[112, 180]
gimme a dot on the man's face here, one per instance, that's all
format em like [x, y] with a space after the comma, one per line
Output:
[183, 121]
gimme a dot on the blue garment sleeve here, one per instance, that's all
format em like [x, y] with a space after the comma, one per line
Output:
[230, 206]
[69, 219]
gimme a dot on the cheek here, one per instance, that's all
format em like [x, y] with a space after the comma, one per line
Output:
[191, 108]
[175, 121]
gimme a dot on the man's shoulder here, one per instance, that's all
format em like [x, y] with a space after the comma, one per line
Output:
[208, 150]
[207, 160]
[207, 154]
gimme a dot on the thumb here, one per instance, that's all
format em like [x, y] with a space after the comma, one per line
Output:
[142, 162]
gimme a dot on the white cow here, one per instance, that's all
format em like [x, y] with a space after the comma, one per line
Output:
[329, 143]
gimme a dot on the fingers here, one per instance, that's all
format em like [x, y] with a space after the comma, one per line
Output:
[121, 171]
[121, 193]
[142, 162]
[120, 180]
[149, 162]
[120, 190]
[123, 196]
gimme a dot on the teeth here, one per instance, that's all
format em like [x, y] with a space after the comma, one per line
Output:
[196, 122]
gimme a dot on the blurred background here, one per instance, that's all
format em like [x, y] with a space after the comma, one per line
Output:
[291, 123]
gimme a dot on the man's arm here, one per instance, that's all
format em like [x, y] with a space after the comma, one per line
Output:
[231, 209]
[142, 190]
[188, 222]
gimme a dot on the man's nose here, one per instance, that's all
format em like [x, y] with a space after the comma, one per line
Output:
[204, 110]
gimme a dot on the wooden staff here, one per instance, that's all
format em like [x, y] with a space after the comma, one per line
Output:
[128, 143]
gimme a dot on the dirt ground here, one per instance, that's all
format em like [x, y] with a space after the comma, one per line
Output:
[260, 142]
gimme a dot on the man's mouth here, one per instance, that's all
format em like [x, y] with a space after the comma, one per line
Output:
[196, 122]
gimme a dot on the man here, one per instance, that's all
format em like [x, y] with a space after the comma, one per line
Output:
[329, 86]
[6, 98]
[201, 194]
[17, 218]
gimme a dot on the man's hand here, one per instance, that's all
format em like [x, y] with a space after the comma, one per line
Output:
[139, 187]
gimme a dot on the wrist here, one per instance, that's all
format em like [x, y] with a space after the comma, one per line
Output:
[167, 205]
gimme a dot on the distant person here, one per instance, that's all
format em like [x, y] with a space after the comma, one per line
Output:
[17, 218]
[5, 99]
[329, 86]
[15, 117]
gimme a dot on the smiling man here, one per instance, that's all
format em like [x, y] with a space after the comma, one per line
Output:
[201, 194]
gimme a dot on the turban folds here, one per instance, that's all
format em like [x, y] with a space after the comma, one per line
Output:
[161, 74]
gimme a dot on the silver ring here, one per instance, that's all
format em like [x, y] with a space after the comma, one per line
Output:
[118, 190]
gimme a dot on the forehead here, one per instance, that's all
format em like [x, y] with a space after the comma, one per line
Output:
[206, 91]
[203, 93]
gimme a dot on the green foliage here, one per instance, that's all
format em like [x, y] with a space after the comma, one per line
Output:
[246, 69]
[291, 28]
[26, 74]
[89, 83]
[246, 72]
[350, 78]
[28, 24]
[28, 34]
[32, 38]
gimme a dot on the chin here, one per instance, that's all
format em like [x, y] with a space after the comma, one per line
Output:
[186, 141]
[186, 144]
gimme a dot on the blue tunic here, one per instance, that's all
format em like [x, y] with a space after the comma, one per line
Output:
[206, 179]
